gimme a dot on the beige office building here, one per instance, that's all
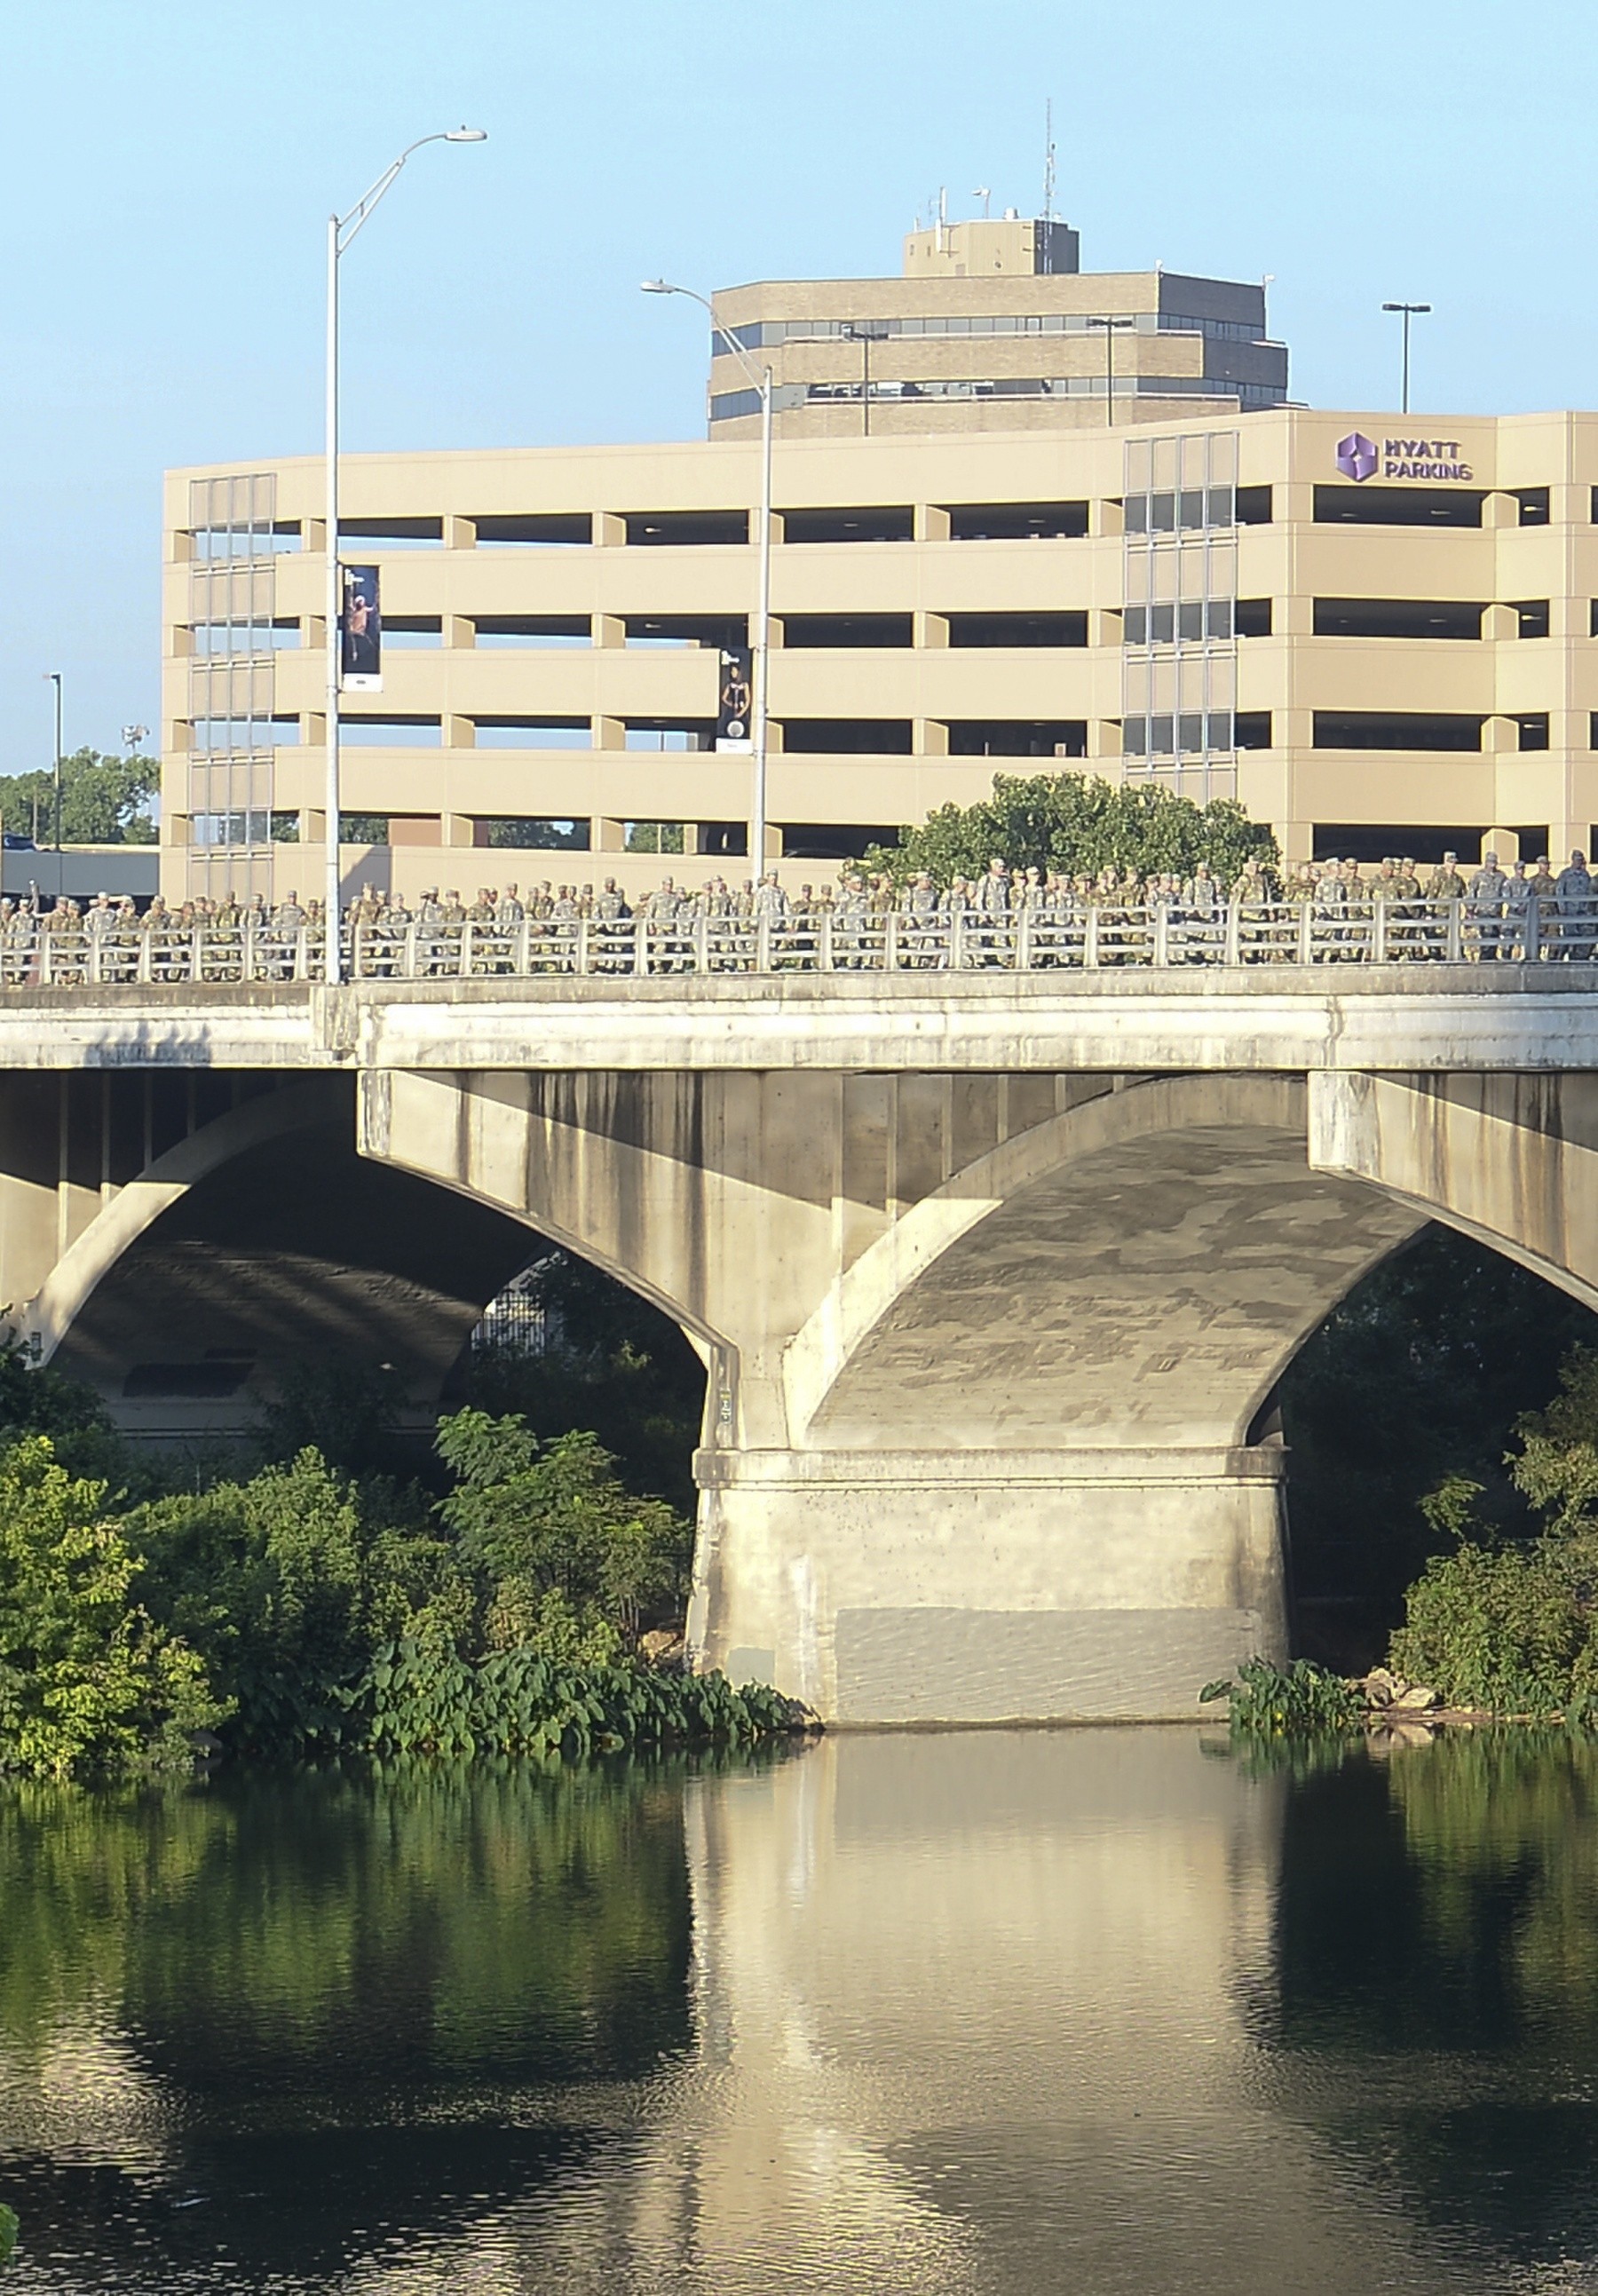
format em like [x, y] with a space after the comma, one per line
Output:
[1374, 631]
[992, 327]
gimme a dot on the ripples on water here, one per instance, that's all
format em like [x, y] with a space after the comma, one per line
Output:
[1094, 2011]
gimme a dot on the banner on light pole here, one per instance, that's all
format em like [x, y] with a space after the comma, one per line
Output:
[735, 700]
[360, 631]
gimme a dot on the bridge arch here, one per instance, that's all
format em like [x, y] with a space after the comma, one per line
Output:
[1136, 1269]
[257, 1241]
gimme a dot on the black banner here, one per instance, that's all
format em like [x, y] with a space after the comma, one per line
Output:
[360, 631]
[735, 700]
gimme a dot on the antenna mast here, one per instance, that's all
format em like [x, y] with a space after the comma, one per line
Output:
[1048, 159]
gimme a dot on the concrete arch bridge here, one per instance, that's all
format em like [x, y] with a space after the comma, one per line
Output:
[994, 1277]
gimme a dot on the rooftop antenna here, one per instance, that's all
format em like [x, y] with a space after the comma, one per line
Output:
[943, 216]
[1047, 218]
[986, 196]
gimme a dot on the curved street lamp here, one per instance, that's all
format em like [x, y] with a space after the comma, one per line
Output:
[761, 379]
[341, 229]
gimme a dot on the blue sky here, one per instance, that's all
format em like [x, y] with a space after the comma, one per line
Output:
[166, 168]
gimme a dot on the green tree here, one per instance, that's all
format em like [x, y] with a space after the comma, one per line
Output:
[286, 1584]
[610, 1362]
[89, 1680]
[1512, 1627]
[556, 1519]
[105, 800]
[1075, 823]
[1423, 1371]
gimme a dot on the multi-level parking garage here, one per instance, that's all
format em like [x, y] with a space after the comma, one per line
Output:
[1380, 642]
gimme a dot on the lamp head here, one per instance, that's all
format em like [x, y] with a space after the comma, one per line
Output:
[657, 287]
[465, 136]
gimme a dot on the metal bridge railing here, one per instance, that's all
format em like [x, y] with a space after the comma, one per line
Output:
[37, 952]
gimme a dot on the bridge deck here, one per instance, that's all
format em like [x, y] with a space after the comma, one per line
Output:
[1207, 1018]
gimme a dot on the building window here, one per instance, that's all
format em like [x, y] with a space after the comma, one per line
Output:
[1253, 617]
[1252, 729]
[1532, 614]
[401, 733]
[534, 834]
[1253, 506]
[893, 522]
[532, 629]
[540, 530]
[678, 529]
[1397, 729]
[1397, 618]
[1398, 505]
[391, 533]
[1533, 726]
[882, 737]
[1534, 505]
[1055, 521]
[1018, 737]
[503, 733]
[801, 631]
[1067, 629]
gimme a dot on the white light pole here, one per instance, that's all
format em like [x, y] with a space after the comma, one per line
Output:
[1111, 327]
[55, 676]
[341, 233]
[1410, 311]
[761, 379]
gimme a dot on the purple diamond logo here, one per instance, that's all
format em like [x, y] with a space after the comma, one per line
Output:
[1356, 456]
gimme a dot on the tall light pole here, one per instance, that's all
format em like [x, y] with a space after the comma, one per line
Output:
[1111, 327]
[863, 333]
[60, 866]
[761, 379]
[1409, 311]
[341, 229]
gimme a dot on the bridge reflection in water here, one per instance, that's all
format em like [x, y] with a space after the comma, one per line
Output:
[1009, 2012]
[927, 2015]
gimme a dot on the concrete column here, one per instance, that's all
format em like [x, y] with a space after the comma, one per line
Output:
[609, 632]
[460, 534]
[931, 522]
[459, 633]
[931, 631]
[929, 737]
[459, 733]
[930, 1586]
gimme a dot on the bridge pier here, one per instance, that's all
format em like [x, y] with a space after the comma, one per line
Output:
[936, 1588]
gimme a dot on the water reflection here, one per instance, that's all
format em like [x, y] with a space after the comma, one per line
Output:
[1096, 2011]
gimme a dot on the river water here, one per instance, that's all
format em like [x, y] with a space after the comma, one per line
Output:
[1087, 2010]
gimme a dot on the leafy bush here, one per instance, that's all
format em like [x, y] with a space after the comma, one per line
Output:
[1077, 822]
[535, 1519]
[8, 2232]
[1300, 1700]
[88, 1680]
[412, 1700]
[1510, 1626]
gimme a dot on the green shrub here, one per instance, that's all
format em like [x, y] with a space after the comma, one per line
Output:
[1300, 1700]
[8, 2232]
[413, 1700]
[1509, 1626]
[88, 1680]
[1077, 822]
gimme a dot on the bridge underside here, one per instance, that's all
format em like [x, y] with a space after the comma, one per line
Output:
[988, 1431]
[241, 1241]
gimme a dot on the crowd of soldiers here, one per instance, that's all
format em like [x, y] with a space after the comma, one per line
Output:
[1506, 911]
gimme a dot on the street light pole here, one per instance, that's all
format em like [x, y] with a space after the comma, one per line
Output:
[1110, 326]
[760, 648]
[341, 229]
[865, 335]
[60, 866]
[1409, 310]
